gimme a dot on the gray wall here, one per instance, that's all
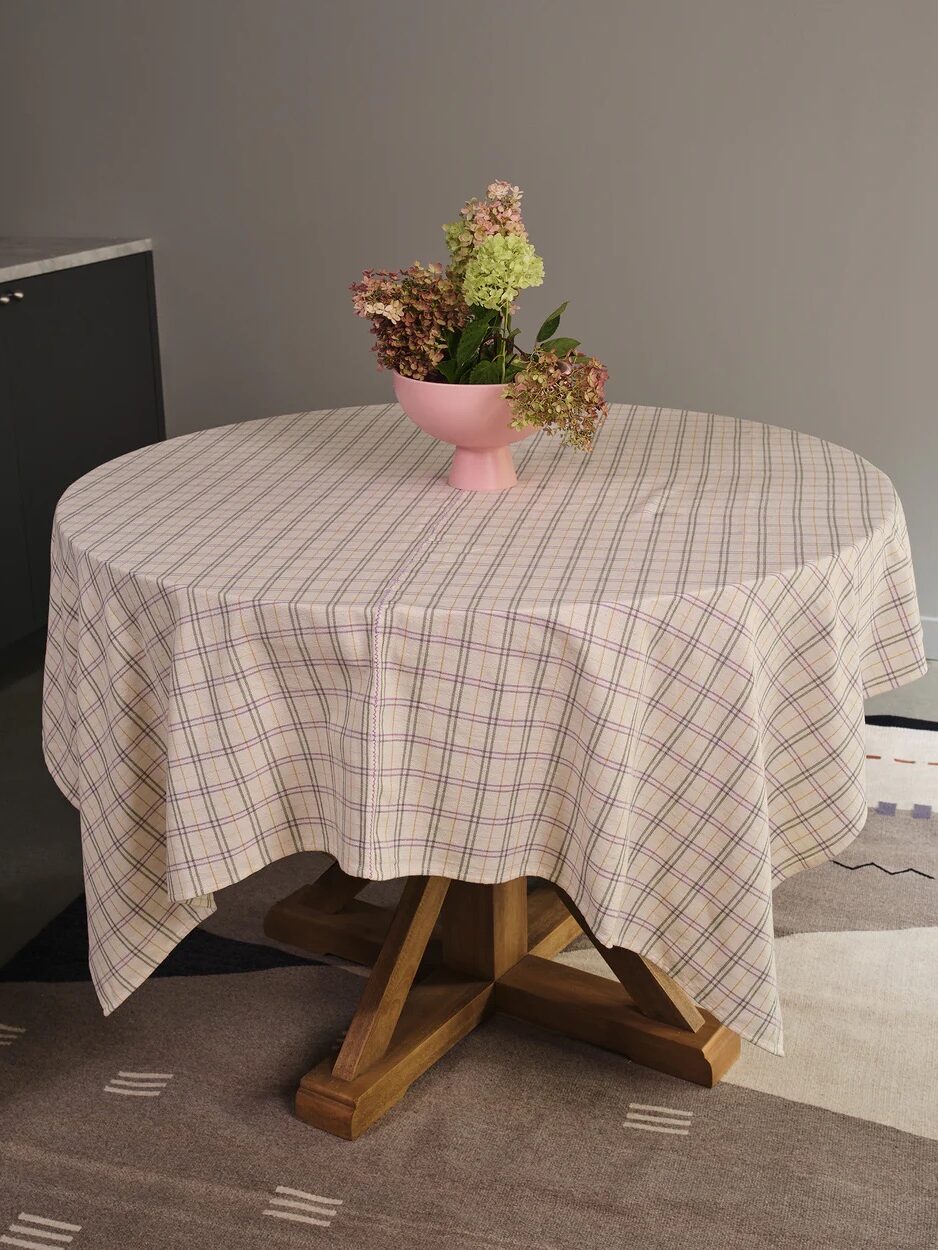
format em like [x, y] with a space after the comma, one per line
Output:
[739, 197]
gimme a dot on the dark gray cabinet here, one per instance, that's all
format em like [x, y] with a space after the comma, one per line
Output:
[79, 385]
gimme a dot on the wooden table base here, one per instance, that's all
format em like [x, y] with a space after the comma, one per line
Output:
[488, 948]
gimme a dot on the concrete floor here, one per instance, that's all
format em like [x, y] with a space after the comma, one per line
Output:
[39, 833]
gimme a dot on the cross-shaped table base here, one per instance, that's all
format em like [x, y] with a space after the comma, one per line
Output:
[492, 945]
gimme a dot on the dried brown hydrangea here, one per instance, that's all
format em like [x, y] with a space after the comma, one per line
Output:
[411, 311]
[563, 395]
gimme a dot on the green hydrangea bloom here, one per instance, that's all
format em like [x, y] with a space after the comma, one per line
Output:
[452, 230]
[501, 266]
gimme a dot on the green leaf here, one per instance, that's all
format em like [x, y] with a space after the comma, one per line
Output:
[560, 347]
[485, 371]
[553, 321]
[448, 369]
[472, 339]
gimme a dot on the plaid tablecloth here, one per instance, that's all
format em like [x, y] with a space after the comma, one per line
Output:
[639, 674]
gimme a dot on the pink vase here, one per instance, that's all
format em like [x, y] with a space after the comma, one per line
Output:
[476, 419]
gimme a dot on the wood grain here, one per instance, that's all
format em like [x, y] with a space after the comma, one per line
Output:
[653, 991]
[551, 924]
[597, 1010]
[485, 927]
[400, 1029]
[356, 933]
[440, 1011]
[387, 988]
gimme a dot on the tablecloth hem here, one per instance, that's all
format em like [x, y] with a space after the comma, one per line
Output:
[112, 989]
[767, 1034]
[892, 681]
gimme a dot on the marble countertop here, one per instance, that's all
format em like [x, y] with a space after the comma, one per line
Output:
[24, 258]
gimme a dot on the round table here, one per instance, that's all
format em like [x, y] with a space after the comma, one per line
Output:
[638, 676]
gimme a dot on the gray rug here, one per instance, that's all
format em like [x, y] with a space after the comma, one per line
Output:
[169, 1124]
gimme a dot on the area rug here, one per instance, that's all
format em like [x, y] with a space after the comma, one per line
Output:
[169, 1123]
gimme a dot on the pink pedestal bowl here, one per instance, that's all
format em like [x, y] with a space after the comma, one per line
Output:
[476, 419]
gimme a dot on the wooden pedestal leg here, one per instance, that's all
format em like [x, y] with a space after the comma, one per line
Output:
[643, 1014]
[389, 984]
[327, 918]
[654, 993]
[334, 890]
[488, 936]
[551, 926]
[397, 1032]
[485, 928]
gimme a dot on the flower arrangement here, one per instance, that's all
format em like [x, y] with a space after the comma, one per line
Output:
[454, 324]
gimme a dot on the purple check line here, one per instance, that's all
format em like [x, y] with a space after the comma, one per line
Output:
[400, 844]
[656, 929]
[592, 680]
[256, 670]
[633, 613]
[275, 700]
[702, 929]
[153, 872]
[233, 680]
[699, 892]
[635, 741]
[425, 774]
[545, 622]
[170, 930]
[177, 797]
[306, 755]
[193, 862]
[262, 638]
[190, 826]
[822, 789]
[821, 854]
[690, 881]
[788, 700]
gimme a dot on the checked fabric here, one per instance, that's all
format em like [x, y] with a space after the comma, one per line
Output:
[639, 674]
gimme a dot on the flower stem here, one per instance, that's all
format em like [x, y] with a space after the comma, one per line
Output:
[506, 330]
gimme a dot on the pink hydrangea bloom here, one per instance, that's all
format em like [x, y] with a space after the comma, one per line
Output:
[498, 213]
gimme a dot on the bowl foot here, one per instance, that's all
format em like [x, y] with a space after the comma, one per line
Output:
[486, 468]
